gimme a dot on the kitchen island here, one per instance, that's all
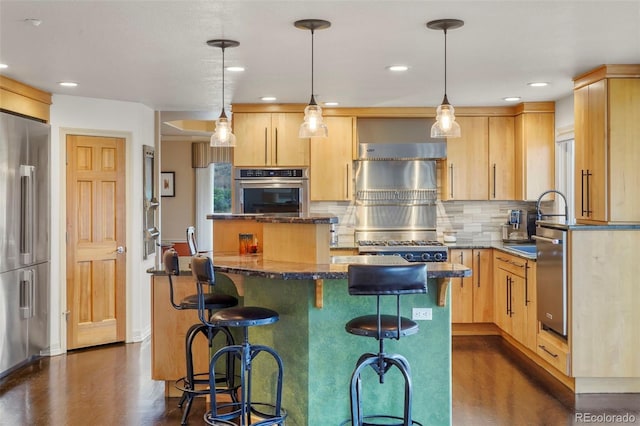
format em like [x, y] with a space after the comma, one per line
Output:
[319, 355]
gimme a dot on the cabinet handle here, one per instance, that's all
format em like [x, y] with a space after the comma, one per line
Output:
[582, 192]
[451, 182]
[346, 194]
[462, 263]
[589, 174]
[548, 351]
[494, 180]
[265, 145]
[276, 145]
[478, 274]
[508, 279]
[526, 284]
[519, 265]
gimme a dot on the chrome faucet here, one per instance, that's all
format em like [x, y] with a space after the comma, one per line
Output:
[566, 208]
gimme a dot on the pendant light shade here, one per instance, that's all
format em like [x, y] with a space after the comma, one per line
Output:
[222, 136]
[312, 127]
[445, 125]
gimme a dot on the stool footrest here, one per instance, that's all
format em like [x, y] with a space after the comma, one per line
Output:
[257, 410]
[378, 419]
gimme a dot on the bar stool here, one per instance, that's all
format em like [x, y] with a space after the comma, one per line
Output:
[379, 281]
[194, 384]
[265, 413]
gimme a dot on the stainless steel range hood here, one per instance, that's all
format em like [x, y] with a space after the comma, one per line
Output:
[398, 138]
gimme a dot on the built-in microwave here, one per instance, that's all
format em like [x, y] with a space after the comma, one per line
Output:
[273, 190]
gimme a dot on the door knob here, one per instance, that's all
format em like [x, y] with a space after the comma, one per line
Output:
[120, 250]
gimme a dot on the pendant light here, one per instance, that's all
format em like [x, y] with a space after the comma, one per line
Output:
[445, 125]
[312, 127]
[222, 136]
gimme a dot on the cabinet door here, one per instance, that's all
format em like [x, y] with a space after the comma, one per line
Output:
[482, 285]
[501, 158]
[462, 289]
[518, 308]
[531, 327]
[501, 279]
[534, 154]
[467, 173]
[253, 139]
[581, 144]
[331, 162]
[287, 148]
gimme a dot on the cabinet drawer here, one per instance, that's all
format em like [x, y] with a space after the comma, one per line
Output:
[513, 264]
[553, 351]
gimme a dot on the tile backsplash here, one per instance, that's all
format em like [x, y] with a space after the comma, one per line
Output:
[473, 221]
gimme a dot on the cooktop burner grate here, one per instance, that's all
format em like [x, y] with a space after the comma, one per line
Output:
[395, 243]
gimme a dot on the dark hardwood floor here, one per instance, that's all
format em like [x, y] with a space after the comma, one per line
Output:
[110, 385]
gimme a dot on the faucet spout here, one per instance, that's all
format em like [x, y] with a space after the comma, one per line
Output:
[566, 207]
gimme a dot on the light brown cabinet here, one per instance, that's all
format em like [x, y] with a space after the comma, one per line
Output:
[501, 158]
[331, 171]
[534, 150]
[607, 130]
[269, 139]
[515, 297]
[472, 297]
[466, 169]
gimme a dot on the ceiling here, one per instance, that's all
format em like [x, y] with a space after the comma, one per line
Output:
[155, 52]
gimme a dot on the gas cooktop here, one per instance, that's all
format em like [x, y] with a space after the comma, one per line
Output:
[411, 250]
[404, 243]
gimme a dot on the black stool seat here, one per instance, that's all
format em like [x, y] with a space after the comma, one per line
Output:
[212, 301]
[368, 326]
[244, 316]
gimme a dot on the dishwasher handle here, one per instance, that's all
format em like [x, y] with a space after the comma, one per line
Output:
[545, 239]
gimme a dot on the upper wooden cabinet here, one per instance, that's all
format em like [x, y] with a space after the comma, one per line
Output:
[607, 130]
[331, 170]
[466, 172]
[501, 158]
[534, 150]
[269, 139]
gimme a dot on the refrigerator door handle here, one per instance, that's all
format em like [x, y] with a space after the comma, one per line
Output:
[26, 213]
[26, 294]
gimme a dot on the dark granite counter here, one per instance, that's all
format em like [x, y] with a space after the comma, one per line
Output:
[580, 227]
[263, 218]
[255, 266]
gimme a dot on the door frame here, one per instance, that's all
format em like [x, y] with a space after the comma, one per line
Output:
[62, 225]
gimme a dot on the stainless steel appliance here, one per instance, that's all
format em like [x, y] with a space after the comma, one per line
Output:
[520, 226]
[411, 250]
[24, 240]
[395, 200]
[275, 190]
[551, 273]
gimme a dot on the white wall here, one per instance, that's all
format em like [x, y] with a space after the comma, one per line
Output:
[134, 122]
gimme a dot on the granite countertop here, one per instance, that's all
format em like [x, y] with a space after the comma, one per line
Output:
[263, 218]
[254, 265]
[581, 227]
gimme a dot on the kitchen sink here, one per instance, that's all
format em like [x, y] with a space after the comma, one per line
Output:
[523, 248]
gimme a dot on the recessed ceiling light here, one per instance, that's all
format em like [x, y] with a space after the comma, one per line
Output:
[268, 98]
[398, 68]
[3, 66]
[33, 21]
[331, 103]
[235, 69]
[538, 84]
[68, 84]
[511, 98]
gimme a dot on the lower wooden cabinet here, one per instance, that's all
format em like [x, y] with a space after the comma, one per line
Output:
[554, 350]
[514, 297]
[472, 297]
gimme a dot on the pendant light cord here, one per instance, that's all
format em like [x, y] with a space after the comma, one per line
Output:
[313, 99]
[223, 81]
[445, 63]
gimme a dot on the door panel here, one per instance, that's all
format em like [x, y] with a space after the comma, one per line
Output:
[96, 228]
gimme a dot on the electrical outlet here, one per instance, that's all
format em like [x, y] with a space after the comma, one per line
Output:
[421, 314]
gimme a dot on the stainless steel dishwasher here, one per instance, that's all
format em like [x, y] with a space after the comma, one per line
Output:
[551, 269]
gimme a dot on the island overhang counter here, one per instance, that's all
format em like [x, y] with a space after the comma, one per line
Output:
[319, 355]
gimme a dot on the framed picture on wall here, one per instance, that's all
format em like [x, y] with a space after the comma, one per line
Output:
[168, 184]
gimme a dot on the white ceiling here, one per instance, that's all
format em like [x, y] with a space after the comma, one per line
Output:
[155, 52]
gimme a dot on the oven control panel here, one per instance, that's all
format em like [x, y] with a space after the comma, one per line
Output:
[270, 173]
[414, 256]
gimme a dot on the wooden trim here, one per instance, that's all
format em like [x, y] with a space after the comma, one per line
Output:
[404, 112]
[529, 107]
[606, 71]
[475, 329]
[23, 99]
[443, 286]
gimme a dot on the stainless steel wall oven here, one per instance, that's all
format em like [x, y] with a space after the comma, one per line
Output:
[273, 190]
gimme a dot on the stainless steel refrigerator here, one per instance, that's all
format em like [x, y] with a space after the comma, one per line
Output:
[24, 240]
